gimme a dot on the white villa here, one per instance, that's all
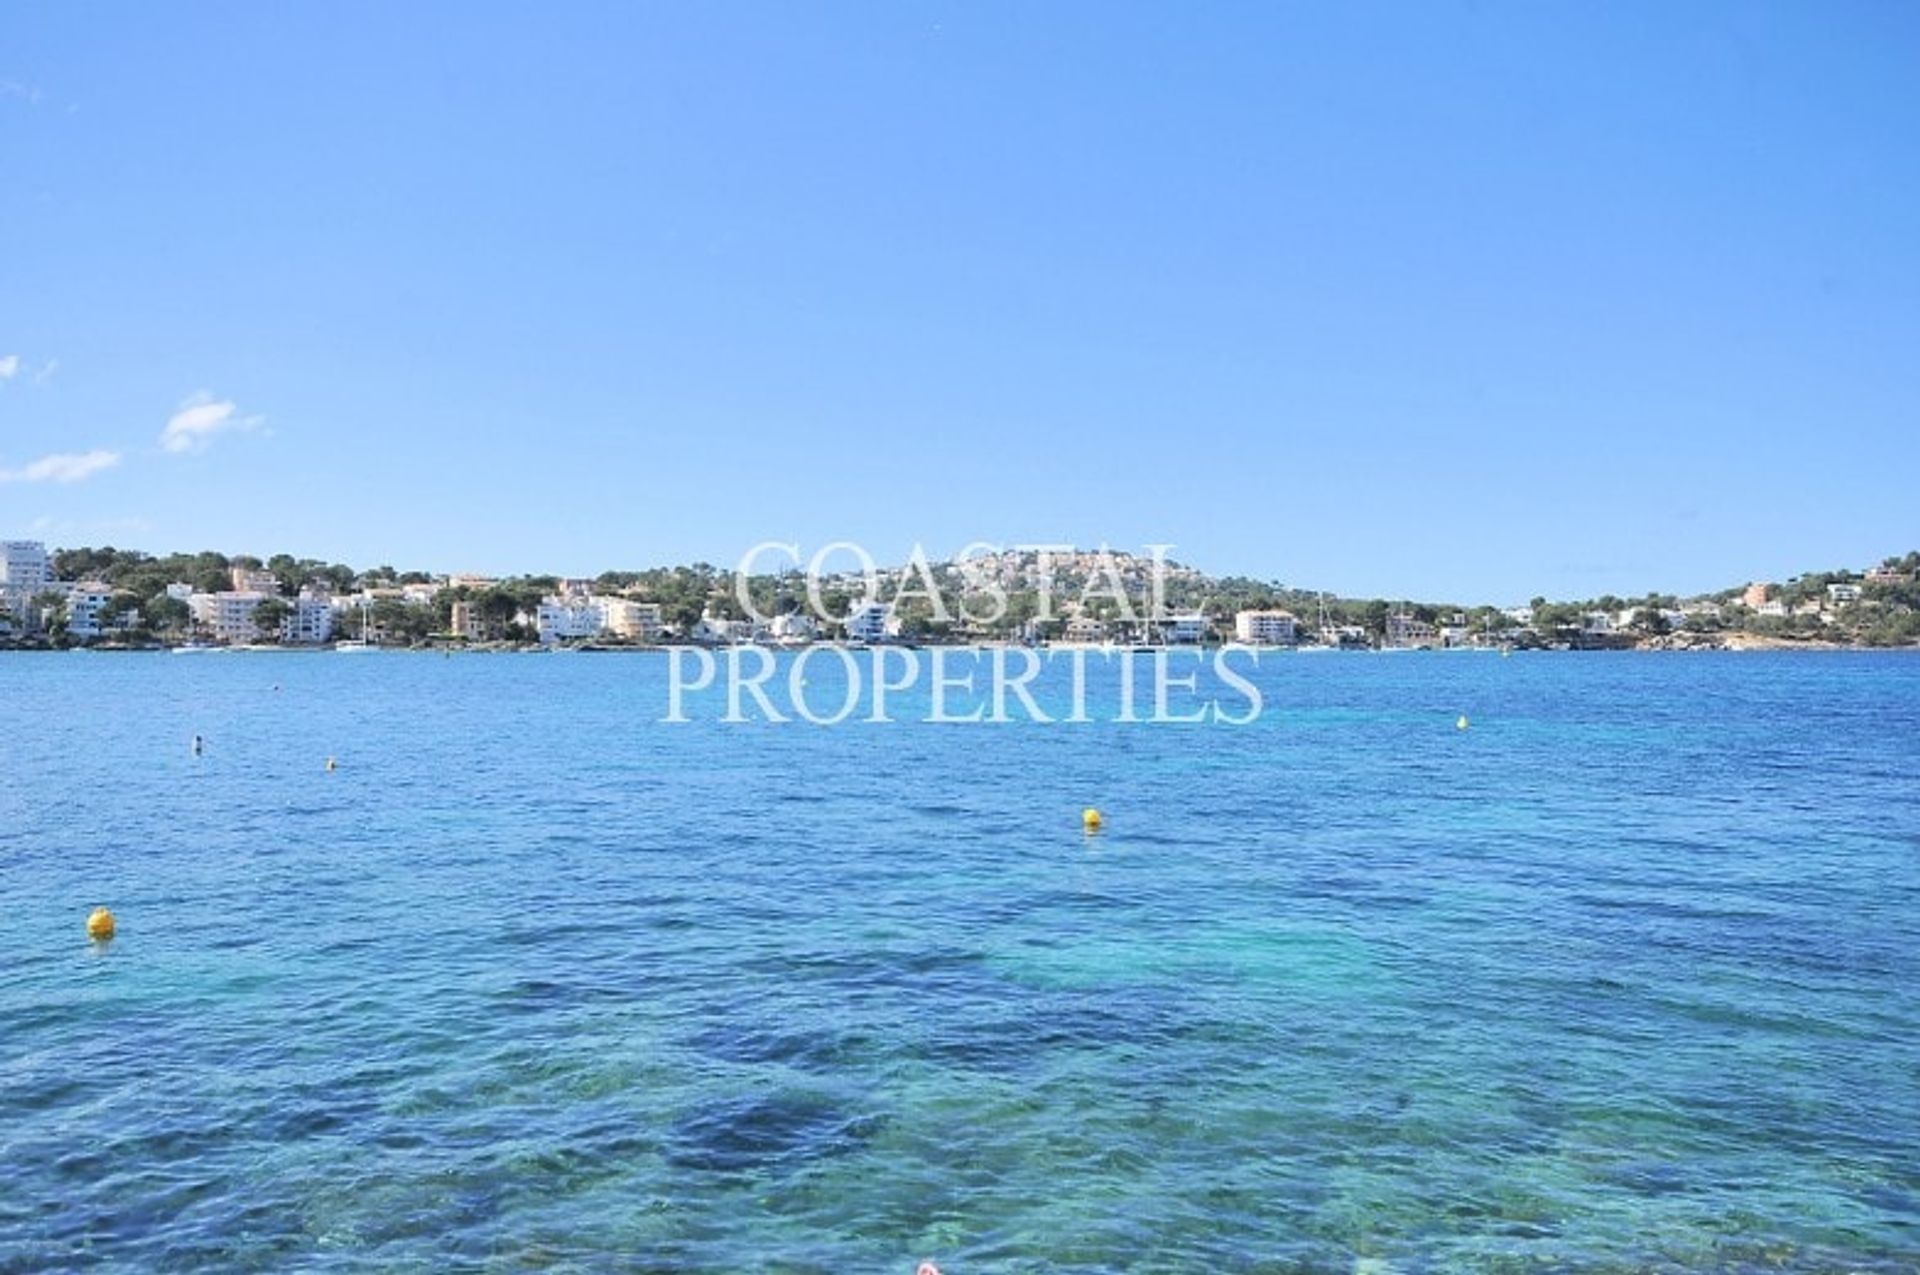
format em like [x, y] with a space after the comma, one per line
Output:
[870, 622]
[1265, 628]
[793, 628]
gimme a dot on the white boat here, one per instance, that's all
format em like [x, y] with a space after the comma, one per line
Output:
[365, 643]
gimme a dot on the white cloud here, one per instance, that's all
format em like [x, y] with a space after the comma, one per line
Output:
[62, 467]
[28, 93]
[9, 364]
[199, 419]
[46, 371]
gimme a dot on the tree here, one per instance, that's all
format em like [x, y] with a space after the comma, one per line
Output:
[50, 612]
[496, 608]
[165, 614]
[269, 616]
[286, 572]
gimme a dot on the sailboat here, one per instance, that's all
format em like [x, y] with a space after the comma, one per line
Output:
[1329, 635]
[365, 643]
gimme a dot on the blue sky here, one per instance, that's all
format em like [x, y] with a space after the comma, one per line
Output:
[1431, 300]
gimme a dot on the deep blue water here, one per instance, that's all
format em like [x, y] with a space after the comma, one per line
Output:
[1626, 976]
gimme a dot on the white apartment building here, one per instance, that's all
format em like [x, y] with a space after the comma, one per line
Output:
[309, 619]
[869, 622]
[1265, 628]
[1843, 594]
[561, 618]
[227, 617]
[25, 569]
[86, 609]
[1190, 627]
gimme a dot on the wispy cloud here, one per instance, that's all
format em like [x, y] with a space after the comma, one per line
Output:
[199, 419]
[46, 371]
[9, 364]
[62, 467]
[28, 93]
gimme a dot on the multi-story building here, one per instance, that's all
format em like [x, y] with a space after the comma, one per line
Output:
[309, 619]
[869, 622]
[1404, 630]
[25, 569]
[247, 580]
[1755, 595]
[635, 621]
[1265, 628]
[1187, 627]
[464, 621]
[226, 617]
[561, 618]
[87, 616]
[1843, 594]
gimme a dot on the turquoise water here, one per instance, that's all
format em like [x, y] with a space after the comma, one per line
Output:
[1626, 976]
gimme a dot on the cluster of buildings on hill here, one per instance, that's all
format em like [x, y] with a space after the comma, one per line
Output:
[257, 606]
[316, 614]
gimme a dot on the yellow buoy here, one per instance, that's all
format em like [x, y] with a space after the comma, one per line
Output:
[332, 764]
[1090, 819]
[100, 925]
[1462, 723]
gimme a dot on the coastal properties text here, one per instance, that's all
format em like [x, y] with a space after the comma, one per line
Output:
[830, 685]
[982, 594]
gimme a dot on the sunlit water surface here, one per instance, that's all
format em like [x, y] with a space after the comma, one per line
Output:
[1625, 976]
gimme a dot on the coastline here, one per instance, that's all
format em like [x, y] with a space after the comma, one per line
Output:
[1729, 642]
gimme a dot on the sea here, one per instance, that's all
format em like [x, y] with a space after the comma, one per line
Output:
[1579, 961]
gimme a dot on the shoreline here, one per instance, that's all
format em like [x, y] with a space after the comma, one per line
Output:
[1730, 643]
